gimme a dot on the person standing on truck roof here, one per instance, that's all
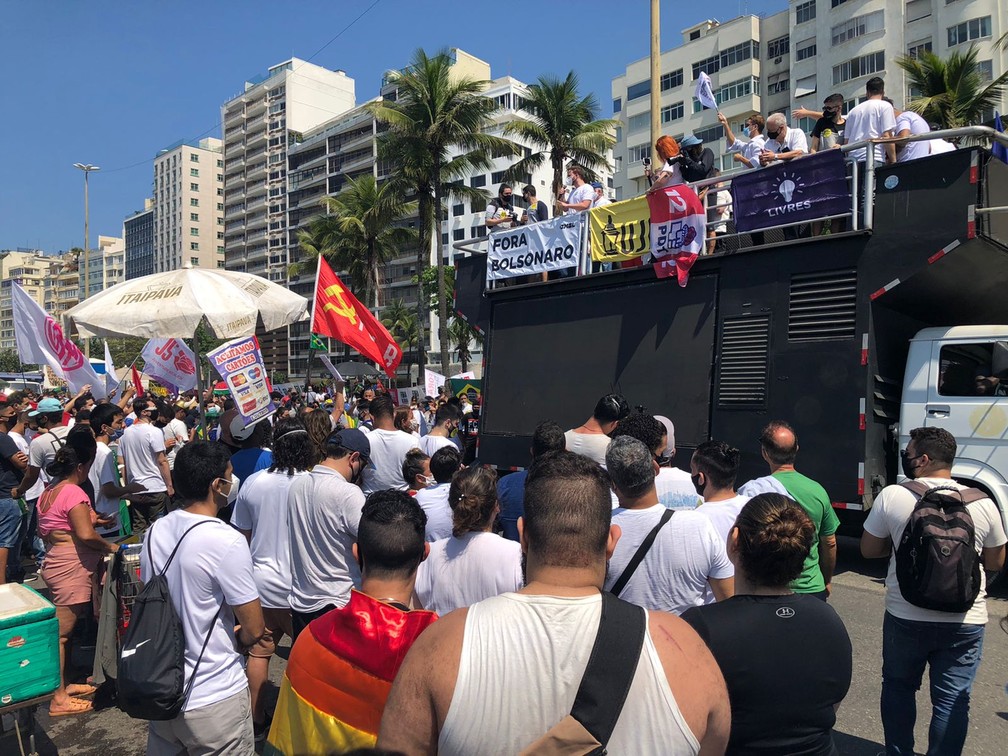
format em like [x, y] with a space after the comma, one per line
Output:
[779, 445]
[914, 637]
[578, 193]
[500, 212]
[591, 439]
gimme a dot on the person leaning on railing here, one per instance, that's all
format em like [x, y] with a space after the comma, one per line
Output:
[669, 174]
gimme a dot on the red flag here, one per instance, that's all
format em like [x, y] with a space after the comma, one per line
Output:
[338, 314]
[136, 382]
[678, 226]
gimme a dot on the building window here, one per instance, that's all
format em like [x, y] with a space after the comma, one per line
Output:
[194, 187]
[710, 135]
[976, 28]
[193, 231]
[732, 91]
[671, 80]
[638, 153]
[193, 157]
[496, 177]
[220, 205]
[805, 49]
[220, 221]
[477, 232]
[725, 58]
[444, 240]
[806, 124]
[220, 234]
[778, 48]
[194, 172]
[917, 9]
[781, 85]
[220, 191]
[220, 176]
[194, 217]
[458, 234]
[220, 163]
[805, 86]
[869, 23]
[695, 34]
[193, 202]
[617, 104]
[864, 65]
[639, 121]
[836, 3]
[194, 246]
[986, 69]
[458, 209]
[477, 181]
[672, 112]
[805, 12]
[220, 250]
[916, 48]
[640, 89]
[194, 261]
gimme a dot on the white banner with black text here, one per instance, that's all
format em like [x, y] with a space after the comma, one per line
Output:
[536, 248]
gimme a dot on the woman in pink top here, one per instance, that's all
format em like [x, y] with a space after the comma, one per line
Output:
[73, 552]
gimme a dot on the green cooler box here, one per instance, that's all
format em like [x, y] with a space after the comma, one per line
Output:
[29, 645]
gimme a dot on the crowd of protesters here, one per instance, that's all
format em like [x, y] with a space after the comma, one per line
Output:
[437, 605]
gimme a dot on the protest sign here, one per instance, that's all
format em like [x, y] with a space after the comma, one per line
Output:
[678, 231]
[239, 362]
[331, 368]
[171, 362]
[40, 340]
[536, 248]
[432, 382]
[619, 231]
[406, 395]
[814, 186]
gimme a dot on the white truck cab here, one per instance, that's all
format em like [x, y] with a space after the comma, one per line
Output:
[957, 378]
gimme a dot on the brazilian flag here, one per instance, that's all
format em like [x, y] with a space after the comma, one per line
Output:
[316, 344]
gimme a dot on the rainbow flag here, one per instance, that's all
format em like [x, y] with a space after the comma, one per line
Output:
[339, 675]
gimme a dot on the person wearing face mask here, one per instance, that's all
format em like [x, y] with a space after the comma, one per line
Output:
[576, 194]
[827, 134]
[434, 498]
[713, 468]
[142, 449]
[416, 471]
[783, 142]
[107, 423]
[324, 510]
[746, 153]
[500, 212]
[446, 420]
[213, 590]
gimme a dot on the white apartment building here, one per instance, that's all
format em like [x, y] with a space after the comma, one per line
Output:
[106, 266]
[53, 281]
[794, 58]
[188, 194]
[293, 97]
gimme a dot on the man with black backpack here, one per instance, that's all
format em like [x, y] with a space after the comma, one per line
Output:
[201, 705]
[559, 656]
[945, 535]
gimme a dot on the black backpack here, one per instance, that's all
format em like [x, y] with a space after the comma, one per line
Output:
[937, 563]
[151, 683]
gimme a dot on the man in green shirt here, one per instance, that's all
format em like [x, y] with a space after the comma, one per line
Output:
[779, 444]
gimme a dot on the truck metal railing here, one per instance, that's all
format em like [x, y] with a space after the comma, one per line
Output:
[858, 221]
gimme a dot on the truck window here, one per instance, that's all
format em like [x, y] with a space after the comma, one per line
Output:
[974, 369]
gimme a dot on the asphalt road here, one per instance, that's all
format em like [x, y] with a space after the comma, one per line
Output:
[857, 596]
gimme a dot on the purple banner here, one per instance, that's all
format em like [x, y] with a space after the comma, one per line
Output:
[803, 189]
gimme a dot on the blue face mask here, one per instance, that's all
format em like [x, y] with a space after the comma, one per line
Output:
[116, 434]
[746, 131]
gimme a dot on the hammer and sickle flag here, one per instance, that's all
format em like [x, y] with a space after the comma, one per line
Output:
[338, 314]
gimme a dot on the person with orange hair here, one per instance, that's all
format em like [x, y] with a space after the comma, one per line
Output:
[669, 174]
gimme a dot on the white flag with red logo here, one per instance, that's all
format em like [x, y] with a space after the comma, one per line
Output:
[40, 340]
[171, 362]
[678, 231]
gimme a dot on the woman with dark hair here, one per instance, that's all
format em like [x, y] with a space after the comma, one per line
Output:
[474, 563]
[785, 657]
[403, 420]
[66, 523]
[260, 513]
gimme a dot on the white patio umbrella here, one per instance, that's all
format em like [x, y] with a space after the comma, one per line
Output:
[172, 305]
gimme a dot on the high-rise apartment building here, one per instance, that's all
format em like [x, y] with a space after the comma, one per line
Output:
[293, 97]
[138, 236]
[794, 58]
[106, 266]
[188, 191]
[51, 280]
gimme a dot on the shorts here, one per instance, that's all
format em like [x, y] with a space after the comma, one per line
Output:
[278, 624]
[224, 727]
[10, 523]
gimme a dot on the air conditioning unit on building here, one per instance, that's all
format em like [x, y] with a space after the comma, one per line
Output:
[778, 60]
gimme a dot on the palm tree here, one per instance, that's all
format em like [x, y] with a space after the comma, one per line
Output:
[462, 335]
[359, 234]
[563, 127]
[952, 90]
[437, 124]
[403, 324]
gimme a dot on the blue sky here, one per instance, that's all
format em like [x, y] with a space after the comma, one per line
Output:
[111, 83]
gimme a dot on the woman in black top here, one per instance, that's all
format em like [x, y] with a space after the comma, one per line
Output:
[785, 657]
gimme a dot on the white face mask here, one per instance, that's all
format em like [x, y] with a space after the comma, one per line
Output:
[232, 496]
[569, 181]
[429, 481]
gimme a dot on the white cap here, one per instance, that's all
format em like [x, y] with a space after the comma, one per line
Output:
[669, 429]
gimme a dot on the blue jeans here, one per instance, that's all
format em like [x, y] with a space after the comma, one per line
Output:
[953, 653]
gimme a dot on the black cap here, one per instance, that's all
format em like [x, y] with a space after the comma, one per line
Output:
[353, 440]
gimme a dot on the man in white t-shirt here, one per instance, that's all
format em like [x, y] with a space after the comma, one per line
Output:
[783, 142]
[142, 449]
[213, 591]
[685, 557]
[388, 449]
[746, 153]
[576, 195]
[909, 123]
[674, 486]
[914, 637]
[42, 449]
[446, 419]
[324, 509]
[591, 439]
[107, 424]
[175, 432]
[872, 119]
[434, 499]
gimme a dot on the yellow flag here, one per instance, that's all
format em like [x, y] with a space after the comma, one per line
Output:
[620, 231]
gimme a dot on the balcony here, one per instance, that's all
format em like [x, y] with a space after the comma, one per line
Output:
[256, 171]
[256, 236]
[235, 163]
[256, 107]
[255, 188]
[234, 181]
[233, 115]
[256, 221]
[256, 203]
[254, 141]
[235, 211]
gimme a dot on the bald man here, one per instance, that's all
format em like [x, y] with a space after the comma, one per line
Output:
[779, 445]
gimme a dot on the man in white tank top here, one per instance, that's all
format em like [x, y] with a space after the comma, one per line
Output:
[493, 678]
[592, 438]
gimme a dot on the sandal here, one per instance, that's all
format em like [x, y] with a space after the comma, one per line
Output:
[81, 690]
[73, 706]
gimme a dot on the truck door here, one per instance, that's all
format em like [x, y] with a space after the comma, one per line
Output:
[968, 396]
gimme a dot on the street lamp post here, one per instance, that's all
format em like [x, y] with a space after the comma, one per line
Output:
[87, 168]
